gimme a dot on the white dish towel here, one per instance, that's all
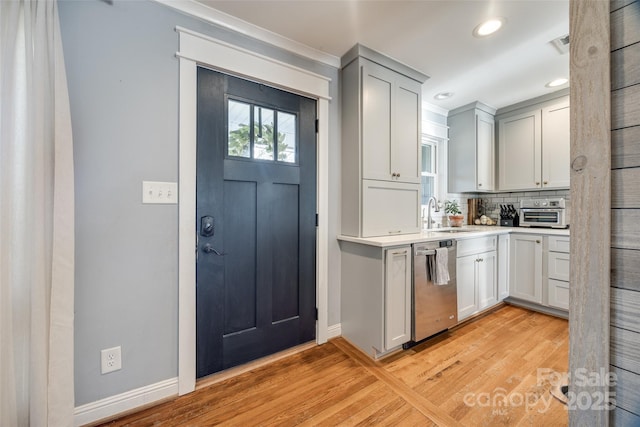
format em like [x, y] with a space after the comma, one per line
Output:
[442, 267]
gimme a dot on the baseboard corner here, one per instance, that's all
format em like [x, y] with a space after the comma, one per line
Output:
[120, 404]
[334, 331]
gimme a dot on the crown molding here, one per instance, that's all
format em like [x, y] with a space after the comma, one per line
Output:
[434, 109]
[219, 18]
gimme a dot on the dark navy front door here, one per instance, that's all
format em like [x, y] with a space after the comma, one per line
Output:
[256, 206]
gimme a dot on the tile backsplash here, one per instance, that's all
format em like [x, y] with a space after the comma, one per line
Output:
[493, 202]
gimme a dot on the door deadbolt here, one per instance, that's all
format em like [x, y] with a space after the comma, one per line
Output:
[206, 226]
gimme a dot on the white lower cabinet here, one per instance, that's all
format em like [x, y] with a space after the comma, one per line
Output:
[503, 266]
[376, 297]
[558, 262]
[397, 319]
[538, 269]
[525, 272]
[476, 275]
[466, 282]
[558, 294]
[487, 270]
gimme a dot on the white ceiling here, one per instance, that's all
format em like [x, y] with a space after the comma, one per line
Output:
[434, 37]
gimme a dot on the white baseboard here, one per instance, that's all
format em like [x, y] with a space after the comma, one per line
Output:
[334, 331]
[124, 402]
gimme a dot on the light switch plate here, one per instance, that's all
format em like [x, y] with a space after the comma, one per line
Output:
[156, 192]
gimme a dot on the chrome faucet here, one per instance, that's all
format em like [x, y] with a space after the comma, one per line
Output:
[436, 209]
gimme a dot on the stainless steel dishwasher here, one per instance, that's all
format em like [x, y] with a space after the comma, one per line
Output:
[435, 307]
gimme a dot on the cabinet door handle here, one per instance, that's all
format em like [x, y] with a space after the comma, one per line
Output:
[479, 184]
[399, 253]
[537, 241]
[397, 175]
[395, 231]
[545, 182]
[393, 175]
[537, 182]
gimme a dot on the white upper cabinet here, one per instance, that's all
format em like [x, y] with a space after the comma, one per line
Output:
[381, 119]
[471, 148]
[520, 152]
[533, 148]
[390, 125]
[556, 145]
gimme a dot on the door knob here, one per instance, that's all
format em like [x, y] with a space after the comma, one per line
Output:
[208, 249]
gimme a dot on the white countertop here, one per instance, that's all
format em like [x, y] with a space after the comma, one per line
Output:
[458, 233]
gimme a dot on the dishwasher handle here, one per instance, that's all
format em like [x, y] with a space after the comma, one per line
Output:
[425, 252]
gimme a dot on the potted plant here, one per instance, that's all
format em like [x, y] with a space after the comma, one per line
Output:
[451, 207]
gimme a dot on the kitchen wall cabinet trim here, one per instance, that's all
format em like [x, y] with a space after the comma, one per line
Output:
[381, 121]
[471, 148]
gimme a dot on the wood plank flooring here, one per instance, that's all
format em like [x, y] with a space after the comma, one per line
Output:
[483, 373]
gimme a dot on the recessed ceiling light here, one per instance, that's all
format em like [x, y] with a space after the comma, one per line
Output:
[557, 82]
[488, 27]
[443, 95]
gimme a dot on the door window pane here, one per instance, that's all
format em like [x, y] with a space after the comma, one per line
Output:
[286, 137]
[239, 137]
[264, 126]
[261, 133]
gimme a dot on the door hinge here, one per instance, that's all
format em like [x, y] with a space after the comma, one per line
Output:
[316, 220]
[317, 125]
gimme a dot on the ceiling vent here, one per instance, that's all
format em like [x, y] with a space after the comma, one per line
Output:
[561, 44]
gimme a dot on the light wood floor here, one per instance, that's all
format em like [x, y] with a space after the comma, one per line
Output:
[483, 373]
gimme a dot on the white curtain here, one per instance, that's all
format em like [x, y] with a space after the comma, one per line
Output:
[36, 219]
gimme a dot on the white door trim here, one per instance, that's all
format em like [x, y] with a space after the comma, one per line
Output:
[197, 49]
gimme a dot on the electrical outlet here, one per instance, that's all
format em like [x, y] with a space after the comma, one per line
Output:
[111, 359]
[159, 192]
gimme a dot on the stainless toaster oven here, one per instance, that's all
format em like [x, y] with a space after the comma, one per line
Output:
[549, 213]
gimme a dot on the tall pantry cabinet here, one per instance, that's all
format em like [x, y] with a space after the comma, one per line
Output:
[381, 107]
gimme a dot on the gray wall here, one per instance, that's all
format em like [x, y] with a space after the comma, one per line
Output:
[123, 85]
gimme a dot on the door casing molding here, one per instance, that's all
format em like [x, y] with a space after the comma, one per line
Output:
[198, 49]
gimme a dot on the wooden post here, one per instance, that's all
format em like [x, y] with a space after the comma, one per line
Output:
[590, 207]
